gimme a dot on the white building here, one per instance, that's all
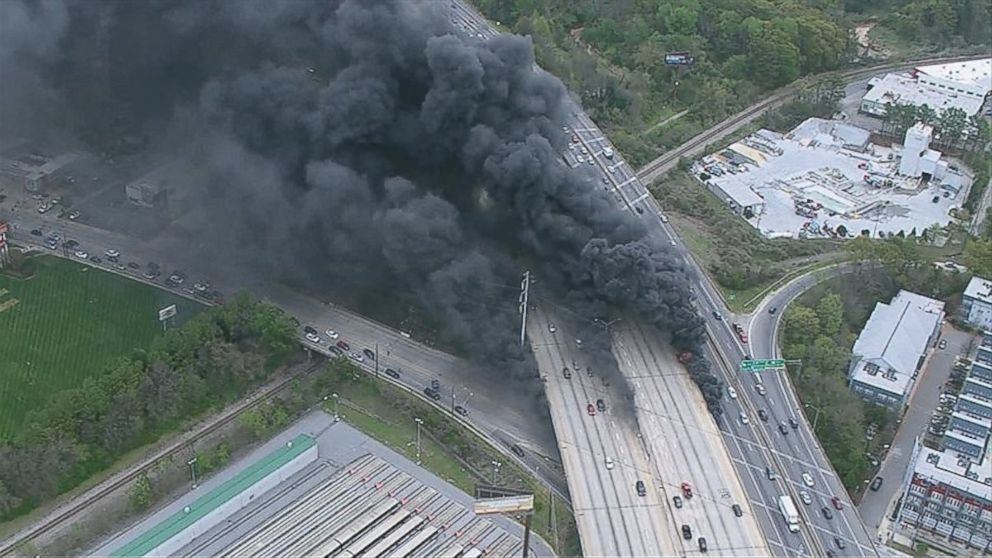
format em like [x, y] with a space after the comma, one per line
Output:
[899, 89]
[917, 158]
[972, 78]
[740, 198]
[892, 346]
[976, 303]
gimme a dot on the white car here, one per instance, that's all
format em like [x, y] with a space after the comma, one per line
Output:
[608, 152]
[584, 150]
[744, 419]
[609, 463]
[664, 218]
[552, 328]
[580, 158]
[732, 392]
[808, 480]
[761, 389]
[674, 243]
[81, 255]
[592, 161]
[357, 357]
[804, 496]
[112, 253]
[313, 338]
[331, 334]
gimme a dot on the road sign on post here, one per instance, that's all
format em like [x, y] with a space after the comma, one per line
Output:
[759, 365]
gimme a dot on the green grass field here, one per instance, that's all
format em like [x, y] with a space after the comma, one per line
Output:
[65, 324]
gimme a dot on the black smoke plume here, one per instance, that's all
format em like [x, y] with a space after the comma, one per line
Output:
[355, 147]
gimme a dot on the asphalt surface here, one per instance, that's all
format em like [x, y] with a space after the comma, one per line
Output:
[686, 447]
[612, 519]
[875, 506]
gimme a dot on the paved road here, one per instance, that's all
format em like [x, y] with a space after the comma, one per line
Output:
[612, 519]
[685, 445]
[936, 370]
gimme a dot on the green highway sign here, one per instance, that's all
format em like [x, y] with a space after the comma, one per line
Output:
[757, 365]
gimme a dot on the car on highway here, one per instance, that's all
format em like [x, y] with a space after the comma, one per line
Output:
[677, 500]
[312, 338]
[591, 410]
[808, 480]
[392, 373]
[663, 217]
[840, 543]
[783, 429]
[600, 405]
[793, 423]
[552, 328]
[837, 503]
[731, 392]
[760, 388]
[763, 415]
[461, 410]
[331, 334]
[432, 393]
[369, 353]
[343, 345]
[608, 152]
[702, 544]
[566, 373]
[686, 532]
[744, 419]
[81, 254]
[737, 510]
[804, 496]
[609, 463]
[741, 334]
[517, 450]
[641, 490]
[772, 310]
[686, 490]
[717, 315]
[826, 512]
[770, 474]
[876, 484]
[673, 243]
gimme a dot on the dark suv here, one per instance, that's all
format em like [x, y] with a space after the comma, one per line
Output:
[641, 491]
[686, 532]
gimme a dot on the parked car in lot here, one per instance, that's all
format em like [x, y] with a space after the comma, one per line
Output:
[312, 338]
[942, 344]
[737, 510]
[432, 393]
[641, 490]
[461, 410]
[600, 405]
[591, 410]
[331, 334]
[808, 480]
[686, 532]
[702, 544]
[876, 484]
[677, 500]
[357, 357]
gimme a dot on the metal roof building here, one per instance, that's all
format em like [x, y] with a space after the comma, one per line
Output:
[898, 89]
[976, 303]
[891, 347]
[215, 506]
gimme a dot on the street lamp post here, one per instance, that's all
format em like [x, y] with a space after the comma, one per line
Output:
[816, 417]
[606, 325]
[337, 416]
[419, 424]
[192, 469]
[496, 466]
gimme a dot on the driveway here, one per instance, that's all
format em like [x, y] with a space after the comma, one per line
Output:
[936, 370]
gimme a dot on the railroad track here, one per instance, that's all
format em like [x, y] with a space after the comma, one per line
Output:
[50, 523]
[662, 164]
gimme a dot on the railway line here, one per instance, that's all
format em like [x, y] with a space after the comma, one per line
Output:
[661, 165]
[125, 477]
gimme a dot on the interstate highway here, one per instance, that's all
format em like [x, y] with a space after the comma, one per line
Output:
[612, 519]
[788, 455]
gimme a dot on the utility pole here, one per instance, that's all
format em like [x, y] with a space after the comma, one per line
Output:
[496, 466]
[419, 423]
[192, 469]
[524, 294]
[377, 360]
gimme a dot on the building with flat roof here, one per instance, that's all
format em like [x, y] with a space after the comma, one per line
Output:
[890, 349]
[904, 90]
[976, 303]
[34, 171]
[211, 509]
[971, 77]
[947, 498]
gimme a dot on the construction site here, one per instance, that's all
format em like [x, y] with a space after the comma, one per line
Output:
[826, 179]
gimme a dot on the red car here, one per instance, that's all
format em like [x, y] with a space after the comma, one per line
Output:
[837, 503]
[343, 346]
[591, 409]
[686, 490]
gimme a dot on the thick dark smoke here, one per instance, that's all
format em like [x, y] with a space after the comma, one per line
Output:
[356, 147]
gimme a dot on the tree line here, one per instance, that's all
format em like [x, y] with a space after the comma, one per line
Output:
[952, 127]
[209, 361]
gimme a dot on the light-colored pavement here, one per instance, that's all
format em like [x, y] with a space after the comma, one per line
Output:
[875, 506]
[612, 519]
[685, 445]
